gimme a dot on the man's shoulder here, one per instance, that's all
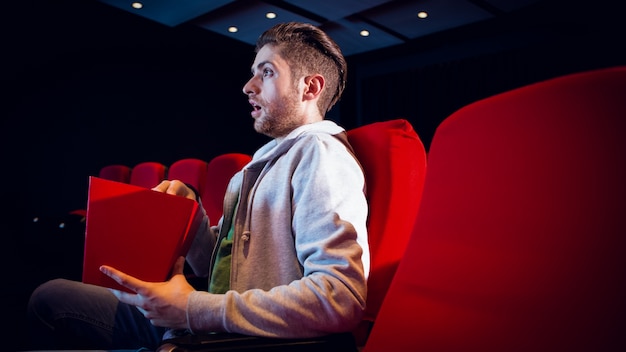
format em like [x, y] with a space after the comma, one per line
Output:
[317, 139]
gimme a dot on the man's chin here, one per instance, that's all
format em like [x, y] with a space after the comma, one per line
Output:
[259, 125]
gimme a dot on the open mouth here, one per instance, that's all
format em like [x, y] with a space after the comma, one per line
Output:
[256, 108]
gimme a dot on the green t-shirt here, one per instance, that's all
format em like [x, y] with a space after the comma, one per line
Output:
[220, 278]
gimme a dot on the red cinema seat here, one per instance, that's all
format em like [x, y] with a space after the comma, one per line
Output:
[115, 172]
[520, 239]
[220, 169]
[190, 171]
[148, 174]
[394, 162]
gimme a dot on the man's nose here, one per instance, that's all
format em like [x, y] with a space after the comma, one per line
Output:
[249, 87]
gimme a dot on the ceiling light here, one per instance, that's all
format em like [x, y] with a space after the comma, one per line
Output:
[422, 14]
[233, 29]
[137, 5]
[270, 15]
[364, 33]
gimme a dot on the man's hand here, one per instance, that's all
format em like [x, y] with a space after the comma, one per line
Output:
[176, 188]
[164, 303]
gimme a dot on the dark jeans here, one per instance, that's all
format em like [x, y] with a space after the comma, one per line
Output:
[64, 314]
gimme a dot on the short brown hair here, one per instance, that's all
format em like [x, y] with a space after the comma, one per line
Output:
[309, 50]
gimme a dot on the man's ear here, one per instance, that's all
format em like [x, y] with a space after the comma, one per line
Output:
[313, 86]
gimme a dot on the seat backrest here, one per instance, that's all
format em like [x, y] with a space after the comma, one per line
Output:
[519, 244]
[115, 172]
[148, 174]
[220, 169]
[191, 171]
[394, 163]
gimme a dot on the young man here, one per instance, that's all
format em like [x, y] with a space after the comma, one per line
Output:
[290, 257]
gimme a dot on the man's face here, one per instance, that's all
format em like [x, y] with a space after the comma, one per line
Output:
[276, 100]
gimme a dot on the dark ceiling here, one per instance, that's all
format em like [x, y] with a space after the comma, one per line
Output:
[78, 71]
[389, 23]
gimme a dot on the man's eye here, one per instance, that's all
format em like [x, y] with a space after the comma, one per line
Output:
[267, 72]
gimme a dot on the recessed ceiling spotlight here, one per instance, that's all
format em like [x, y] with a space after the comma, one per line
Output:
[270, 15]
[364, 33]
[137, 5]
[233, 29]
[422, 14]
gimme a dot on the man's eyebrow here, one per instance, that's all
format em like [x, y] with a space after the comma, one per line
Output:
[260, 64]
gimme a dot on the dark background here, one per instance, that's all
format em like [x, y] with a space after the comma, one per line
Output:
[87, 85]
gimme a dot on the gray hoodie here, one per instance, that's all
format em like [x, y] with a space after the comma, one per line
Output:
[300, 256]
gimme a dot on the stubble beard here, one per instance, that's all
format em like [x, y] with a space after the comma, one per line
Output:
[279, 118]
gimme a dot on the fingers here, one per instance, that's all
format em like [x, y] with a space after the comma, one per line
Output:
[123, 279]
[175, 187]
[134, 300]
[142, 311]
[129, 298]
[162, 187]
